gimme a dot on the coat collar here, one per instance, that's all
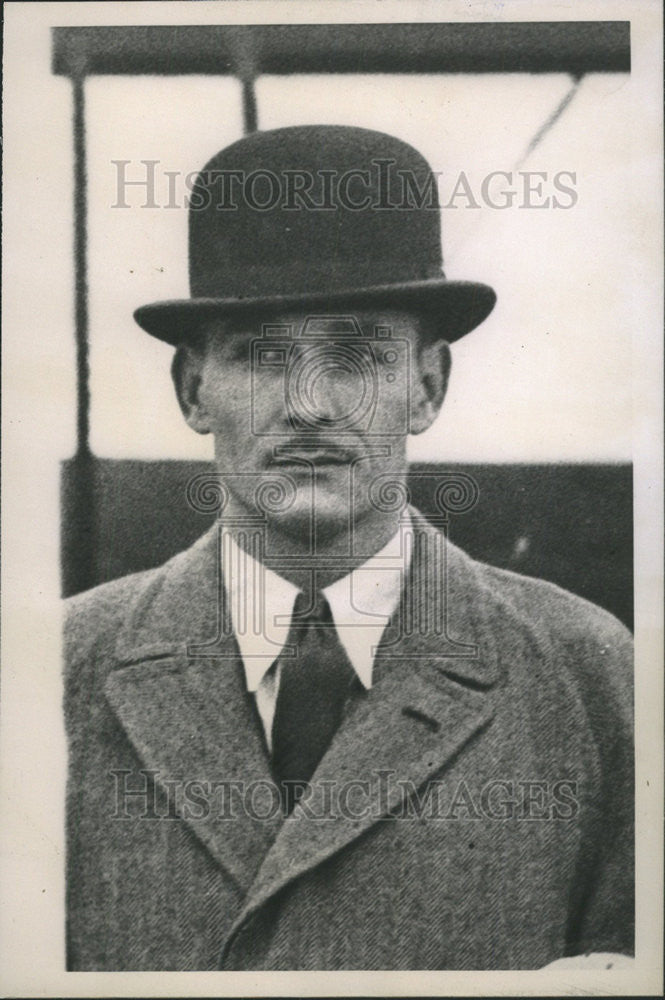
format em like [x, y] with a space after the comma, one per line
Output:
[442, 614]
[180, 695]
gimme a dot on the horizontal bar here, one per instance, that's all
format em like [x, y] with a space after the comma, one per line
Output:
[575, 47]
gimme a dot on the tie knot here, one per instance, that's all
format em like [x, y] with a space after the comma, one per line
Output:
[312, 608]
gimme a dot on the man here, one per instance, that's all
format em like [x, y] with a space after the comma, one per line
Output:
[324, 737]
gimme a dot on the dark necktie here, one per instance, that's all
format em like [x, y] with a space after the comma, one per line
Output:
[313, 688]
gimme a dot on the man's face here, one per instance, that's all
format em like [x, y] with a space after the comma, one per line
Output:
[319, 407]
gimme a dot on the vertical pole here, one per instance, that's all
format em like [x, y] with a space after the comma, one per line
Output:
[249, 107]
[81, 272]
[78, 512]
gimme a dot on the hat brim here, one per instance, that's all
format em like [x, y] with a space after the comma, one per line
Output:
[456, 307]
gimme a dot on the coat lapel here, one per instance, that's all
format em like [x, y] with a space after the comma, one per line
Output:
[183, 704]
[180, 695]
[433, 693]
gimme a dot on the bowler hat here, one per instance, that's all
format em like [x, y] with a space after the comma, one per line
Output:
[316, 217]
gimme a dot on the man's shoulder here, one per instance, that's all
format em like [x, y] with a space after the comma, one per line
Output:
[511, 598]
[555, 635]
[92, 616]
[549, 608]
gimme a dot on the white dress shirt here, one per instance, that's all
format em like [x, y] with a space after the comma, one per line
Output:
[262, 603]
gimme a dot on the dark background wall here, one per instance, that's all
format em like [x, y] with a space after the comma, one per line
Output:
[571, 524]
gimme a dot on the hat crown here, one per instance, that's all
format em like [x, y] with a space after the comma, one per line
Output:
[312, 209]
[319, 217]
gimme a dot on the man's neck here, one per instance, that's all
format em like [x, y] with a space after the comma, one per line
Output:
[293, 551]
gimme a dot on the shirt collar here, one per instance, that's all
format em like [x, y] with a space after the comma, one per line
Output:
[361, 604]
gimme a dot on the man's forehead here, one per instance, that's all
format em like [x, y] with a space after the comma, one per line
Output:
[363, 322]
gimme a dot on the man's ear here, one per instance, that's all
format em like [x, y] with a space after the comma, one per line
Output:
[431, 370]
[187, 372]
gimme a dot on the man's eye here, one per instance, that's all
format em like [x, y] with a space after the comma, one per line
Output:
[239, 352]
[275, 357]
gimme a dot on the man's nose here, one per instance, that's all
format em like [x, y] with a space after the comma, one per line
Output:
[325, 389]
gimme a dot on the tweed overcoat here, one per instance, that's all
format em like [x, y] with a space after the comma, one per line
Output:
[474, 810]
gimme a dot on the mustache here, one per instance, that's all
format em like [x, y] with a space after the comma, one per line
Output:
[317, 447]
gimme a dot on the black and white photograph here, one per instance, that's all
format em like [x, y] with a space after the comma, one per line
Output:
[332, 499]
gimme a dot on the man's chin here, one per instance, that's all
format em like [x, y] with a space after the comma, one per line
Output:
[325, 514]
